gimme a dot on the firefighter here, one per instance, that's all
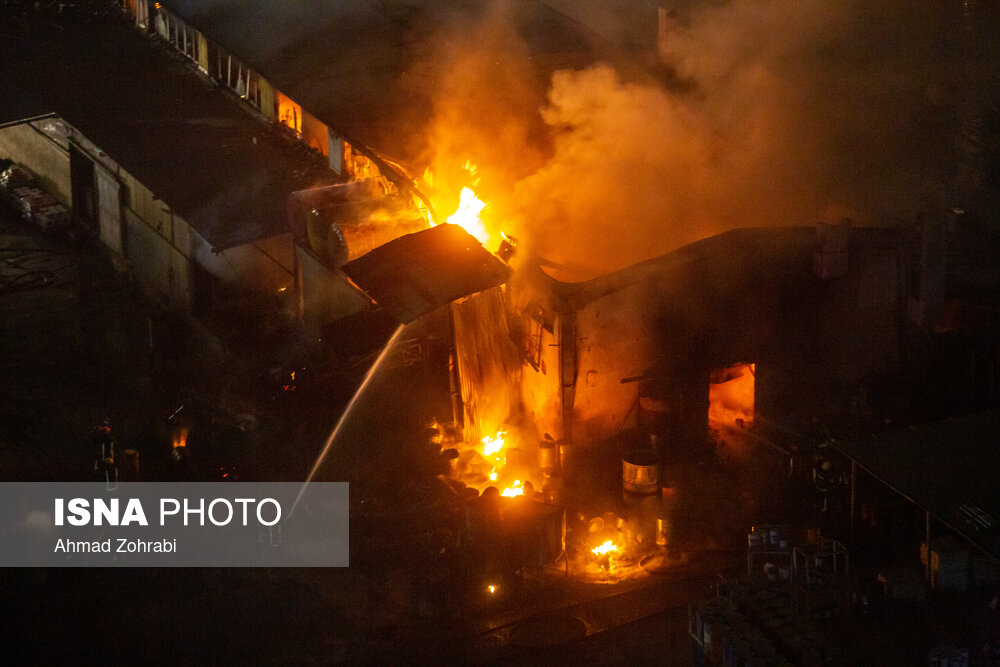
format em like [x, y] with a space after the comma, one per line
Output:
[103, 443]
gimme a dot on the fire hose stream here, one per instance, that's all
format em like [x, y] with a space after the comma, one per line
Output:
[346, 413]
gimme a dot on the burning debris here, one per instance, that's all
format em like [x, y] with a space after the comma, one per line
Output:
[497, 472]
[495, 462]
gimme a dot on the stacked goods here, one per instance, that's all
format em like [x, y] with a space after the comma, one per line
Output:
[52, 217]
[797, 639]
[30, 201]
[14, 177]
[949, 564]
[721, 635]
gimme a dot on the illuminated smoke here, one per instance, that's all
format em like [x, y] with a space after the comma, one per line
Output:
[768, 112]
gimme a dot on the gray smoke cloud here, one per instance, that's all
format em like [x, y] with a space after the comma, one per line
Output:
[769, 112]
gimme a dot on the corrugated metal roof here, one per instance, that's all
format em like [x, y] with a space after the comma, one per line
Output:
[420, 272]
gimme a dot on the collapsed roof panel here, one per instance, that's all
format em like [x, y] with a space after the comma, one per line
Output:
[420, 272]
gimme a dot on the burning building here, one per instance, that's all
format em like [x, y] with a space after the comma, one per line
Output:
[691, 324]
[717, 327]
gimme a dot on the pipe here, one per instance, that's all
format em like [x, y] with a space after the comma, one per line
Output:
[453, 382]
[567, 371]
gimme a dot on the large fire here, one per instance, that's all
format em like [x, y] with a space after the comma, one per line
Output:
[467, 215]
[493, 444]
[514, 490]
[468, 211]
[607, 547]
[493, 449]
[486, 463]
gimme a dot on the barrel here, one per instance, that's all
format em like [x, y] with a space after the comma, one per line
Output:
[450, 458]
[568, 460]
[548, 456]
[641, 472]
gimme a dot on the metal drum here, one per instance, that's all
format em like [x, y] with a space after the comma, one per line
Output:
[548, 456]
[450, 458]
[641, 472]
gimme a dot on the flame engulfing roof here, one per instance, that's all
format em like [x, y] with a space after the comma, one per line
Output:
[420, 272]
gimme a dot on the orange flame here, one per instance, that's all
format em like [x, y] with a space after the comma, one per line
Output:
[493, 444]
[606, 548]
[470, 206]
[515, 490]
[467, 215]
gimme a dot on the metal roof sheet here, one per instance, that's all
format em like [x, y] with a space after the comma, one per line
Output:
[420, 272]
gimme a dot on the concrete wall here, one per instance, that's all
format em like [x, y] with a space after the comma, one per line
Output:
[268, 99]
[325, 295]
[742, 298]
[155, 213]
[265, 265]
[156, 263]
[315, 133]
[50, 162]
[613, 341]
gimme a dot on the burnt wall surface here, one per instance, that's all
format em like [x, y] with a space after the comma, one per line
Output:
[745, 296]
[758, 300]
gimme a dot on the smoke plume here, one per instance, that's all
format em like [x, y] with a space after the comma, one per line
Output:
[764, 112]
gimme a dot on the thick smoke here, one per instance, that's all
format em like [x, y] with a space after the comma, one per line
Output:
[766, 112]
[486, 98]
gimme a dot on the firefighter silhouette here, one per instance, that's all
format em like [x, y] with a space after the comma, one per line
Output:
[103, 443]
